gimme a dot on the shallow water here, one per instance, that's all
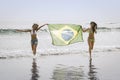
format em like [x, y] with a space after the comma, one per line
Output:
[18, 44]
[59, 62]
[103, 66]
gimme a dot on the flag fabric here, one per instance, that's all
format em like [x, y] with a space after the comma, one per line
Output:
[65, 34]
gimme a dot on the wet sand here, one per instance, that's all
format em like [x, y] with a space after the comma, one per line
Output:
[103, 66]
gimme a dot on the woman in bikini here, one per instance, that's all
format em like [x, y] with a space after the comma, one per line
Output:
[91, 38]
[34, 40]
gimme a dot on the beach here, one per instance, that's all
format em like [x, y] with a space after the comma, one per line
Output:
[104, 66]
[59, 62]
[63, 30]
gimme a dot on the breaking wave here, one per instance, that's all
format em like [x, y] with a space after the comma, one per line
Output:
[7, 31]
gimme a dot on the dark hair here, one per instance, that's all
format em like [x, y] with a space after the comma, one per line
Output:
[94, 26]
[35, 25]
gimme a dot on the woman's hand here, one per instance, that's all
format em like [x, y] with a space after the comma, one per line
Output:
[47, 24]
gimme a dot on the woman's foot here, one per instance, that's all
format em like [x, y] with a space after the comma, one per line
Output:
[34, 56]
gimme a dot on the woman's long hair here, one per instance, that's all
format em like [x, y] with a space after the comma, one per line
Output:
[94, 27]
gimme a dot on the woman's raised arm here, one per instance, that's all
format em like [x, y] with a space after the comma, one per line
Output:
[41, 26]
[84, 30]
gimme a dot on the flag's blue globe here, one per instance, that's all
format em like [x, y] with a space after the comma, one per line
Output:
[67, 34]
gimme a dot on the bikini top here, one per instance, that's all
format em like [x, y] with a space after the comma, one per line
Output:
[90, 31]
[33, 32]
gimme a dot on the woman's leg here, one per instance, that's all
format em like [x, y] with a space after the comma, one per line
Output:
[34, 46]
[92, 45]
[34, 49]
[89, 43]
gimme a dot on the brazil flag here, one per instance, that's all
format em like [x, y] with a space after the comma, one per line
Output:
[65, 34]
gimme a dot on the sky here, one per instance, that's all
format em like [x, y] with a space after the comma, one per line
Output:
[23, 13]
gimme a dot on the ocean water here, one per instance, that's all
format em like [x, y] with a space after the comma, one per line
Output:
[59, 62]
[17, 44]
